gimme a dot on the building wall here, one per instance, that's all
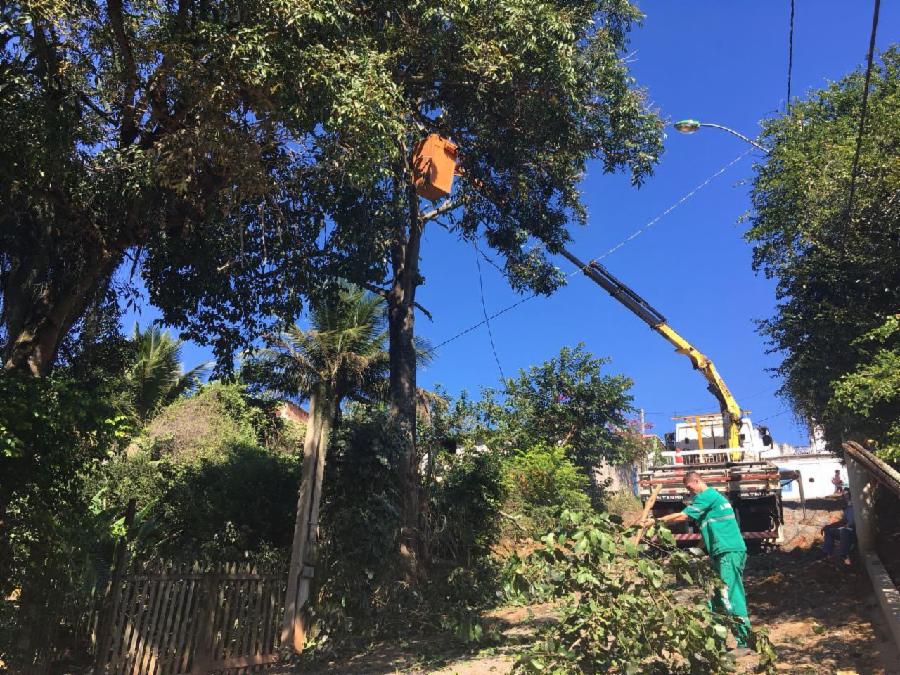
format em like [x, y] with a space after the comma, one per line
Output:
[816, 472]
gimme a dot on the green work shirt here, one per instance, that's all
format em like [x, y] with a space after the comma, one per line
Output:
[718, 526]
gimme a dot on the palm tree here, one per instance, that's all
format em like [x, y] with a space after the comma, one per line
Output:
[341, 355]
[156, 378]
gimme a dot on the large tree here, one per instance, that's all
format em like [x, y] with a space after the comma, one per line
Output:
[169, 132]
[529, 90]
[836, 257]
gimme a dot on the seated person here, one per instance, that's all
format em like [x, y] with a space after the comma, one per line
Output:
[840, 532]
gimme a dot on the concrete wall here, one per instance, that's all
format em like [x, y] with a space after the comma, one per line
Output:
[622, 477]
[816, 472]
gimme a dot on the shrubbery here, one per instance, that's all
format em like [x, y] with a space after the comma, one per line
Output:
[54, 539]
[358, 589]
[542, 482]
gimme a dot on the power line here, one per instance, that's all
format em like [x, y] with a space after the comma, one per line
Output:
[783, 412]
[787, 104]
[487, 321]
[865, 100]
[615, 248]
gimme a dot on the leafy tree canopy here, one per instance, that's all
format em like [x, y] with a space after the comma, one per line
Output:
[528, 90]
[836, 263]
[172, 132]
[565, 401]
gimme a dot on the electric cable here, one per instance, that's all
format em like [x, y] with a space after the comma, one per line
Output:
[865, 100]
[487, 321]
[609, 252]
[787, 105]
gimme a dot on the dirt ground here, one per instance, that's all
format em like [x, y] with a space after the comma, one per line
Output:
[821, 619]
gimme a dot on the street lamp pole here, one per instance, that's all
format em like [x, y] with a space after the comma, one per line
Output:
[693, 126]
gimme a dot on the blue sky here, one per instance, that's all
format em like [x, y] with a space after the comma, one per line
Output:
[721, 62]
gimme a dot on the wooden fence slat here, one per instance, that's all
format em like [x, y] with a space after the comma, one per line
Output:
[156, 629]
[184, 631]
[117, 621]
[129, 634]
[209, 597]
[254, 646]
[145, 636]
[186, 642]
[140, 618]
[244, 647]
[178, 660]
[269, 611]
[237, 618]
[164, 655]
[221, 614]
[123, 627]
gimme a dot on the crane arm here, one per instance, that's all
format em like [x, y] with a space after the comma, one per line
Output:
[731, 411]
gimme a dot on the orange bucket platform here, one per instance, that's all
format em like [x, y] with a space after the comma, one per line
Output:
[434, 165]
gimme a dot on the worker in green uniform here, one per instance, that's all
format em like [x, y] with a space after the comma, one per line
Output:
[725, 545]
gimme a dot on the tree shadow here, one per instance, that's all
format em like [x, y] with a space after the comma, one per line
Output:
[822, 617]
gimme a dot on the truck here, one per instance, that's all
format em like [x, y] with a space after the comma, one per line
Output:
[725, 448]
[751, 483]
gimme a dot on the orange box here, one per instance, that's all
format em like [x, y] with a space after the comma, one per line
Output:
[434, 164]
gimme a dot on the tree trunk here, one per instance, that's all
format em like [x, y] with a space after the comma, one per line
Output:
[402, 355]
[41, 308]
[315, 446]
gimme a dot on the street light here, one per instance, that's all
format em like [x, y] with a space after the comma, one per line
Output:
[693, 126]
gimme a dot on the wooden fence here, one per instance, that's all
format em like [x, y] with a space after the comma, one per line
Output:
[181, 620]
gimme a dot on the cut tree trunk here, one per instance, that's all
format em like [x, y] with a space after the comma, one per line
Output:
[321, 417]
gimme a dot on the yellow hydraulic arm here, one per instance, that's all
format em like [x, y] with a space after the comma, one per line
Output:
[731, 411]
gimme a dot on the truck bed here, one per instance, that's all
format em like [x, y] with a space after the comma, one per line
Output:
[752, 487]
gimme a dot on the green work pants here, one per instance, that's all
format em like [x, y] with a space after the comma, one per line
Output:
[731, 598]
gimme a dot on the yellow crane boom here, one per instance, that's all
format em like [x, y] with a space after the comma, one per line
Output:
[731, 411]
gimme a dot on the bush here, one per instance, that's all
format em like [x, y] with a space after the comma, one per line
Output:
[215, 478]
[55, 543]
[356, 573]
[359, 588]
[541, 482]
[466, 492]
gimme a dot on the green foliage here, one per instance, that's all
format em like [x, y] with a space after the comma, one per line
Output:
[566, 400]
[154, 128]
[358, 592]
[541, 483]
[529, 90]
[53, 541]
[836, 263]
[235, 503]
[214, 476]
[217, 417]
[622, 611]
[342, 352]
[466, 491]
[356, 573]
[156, 377]
[868, 398]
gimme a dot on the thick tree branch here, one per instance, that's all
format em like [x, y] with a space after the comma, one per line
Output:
[446, 206]
[385, 293]
[128, 132]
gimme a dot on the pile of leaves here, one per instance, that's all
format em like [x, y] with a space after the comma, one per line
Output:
[625, 608]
